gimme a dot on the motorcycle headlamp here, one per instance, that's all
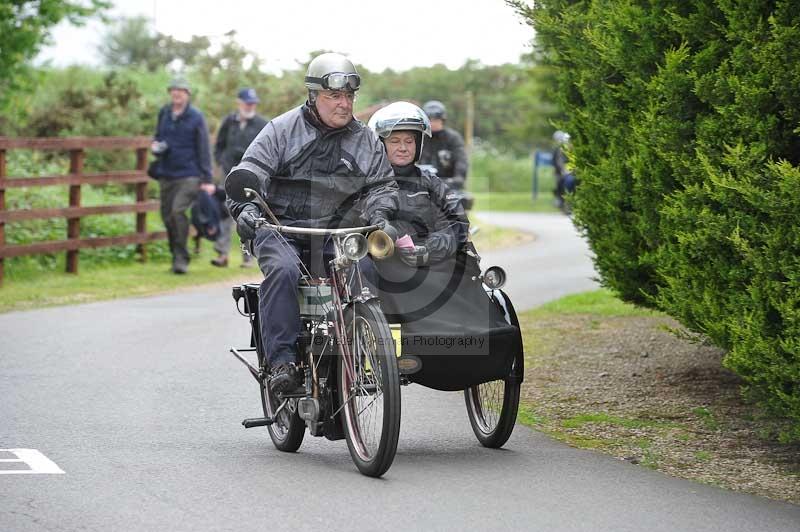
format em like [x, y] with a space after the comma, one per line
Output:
[494, 277]
[337, 81]
[354, 247]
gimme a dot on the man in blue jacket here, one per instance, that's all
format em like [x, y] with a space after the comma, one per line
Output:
[183, 161]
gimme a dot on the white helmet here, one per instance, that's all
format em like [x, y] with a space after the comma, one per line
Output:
[401, 116]
[561, 137]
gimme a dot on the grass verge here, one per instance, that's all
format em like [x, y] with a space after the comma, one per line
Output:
[514, 202]
[97, 283]
[35, 288]
[491, 237]
[604, 375]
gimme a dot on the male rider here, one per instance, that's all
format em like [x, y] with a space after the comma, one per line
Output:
[318, 167]
[445, 150]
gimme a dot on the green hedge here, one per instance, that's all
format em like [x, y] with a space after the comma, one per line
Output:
[685, 117]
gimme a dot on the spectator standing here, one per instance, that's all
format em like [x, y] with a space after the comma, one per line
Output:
[235, 134]
[183, 161]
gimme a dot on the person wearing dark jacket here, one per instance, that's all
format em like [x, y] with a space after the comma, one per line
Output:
[445, 149]
[452, 333]
[565, 179]
[235, 134]
[428, 213]
[183, 161]
[432, 285]
[238, 130]
[317, 167]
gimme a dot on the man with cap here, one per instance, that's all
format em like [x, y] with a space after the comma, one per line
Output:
[183, 161]
[235, 134]
[317, 167]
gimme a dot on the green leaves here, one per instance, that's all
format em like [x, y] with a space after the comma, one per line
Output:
[25, 26]
[685, 117]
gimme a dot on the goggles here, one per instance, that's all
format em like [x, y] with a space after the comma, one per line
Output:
[337, 81]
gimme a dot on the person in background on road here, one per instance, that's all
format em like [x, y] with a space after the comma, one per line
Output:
[430, 220]
[445, 150]
[565, 179]
[235, 134]
[183, 160]
[318, 167]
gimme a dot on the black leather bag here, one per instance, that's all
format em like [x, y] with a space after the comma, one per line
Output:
[152, 169]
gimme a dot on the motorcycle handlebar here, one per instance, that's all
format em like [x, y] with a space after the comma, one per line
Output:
[262, 222]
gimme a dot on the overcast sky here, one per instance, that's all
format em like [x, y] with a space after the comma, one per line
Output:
[379, 34]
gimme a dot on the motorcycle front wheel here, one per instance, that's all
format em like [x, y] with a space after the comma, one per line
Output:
[369, 389]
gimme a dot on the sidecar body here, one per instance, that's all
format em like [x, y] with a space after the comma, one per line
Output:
[457, 331]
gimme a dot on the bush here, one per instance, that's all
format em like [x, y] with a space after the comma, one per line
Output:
[685, 120]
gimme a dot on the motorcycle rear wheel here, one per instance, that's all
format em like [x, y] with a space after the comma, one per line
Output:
[288, 429]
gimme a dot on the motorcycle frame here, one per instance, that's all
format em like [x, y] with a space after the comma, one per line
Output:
[340, 268]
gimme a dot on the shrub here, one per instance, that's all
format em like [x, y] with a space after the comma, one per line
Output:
[685, 120]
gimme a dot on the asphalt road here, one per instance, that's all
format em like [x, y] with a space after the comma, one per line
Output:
[139, 403]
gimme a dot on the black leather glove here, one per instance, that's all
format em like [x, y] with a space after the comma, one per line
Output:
[414, 257]
[390, 230]
[386, 227]
[246, 222]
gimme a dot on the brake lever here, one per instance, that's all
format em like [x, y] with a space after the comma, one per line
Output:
[256, 197]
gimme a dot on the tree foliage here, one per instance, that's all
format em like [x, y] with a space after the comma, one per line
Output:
[512, 106]
[25, 26]
[500, 109]
[685, 121]
[131, 42]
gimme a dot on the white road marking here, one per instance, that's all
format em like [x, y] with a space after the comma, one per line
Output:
[38, 463]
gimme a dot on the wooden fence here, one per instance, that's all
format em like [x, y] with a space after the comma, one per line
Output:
[76, 147]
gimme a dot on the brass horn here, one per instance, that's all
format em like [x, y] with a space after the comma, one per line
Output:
[380, 245]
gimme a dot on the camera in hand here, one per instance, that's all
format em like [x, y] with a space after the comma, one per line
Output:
[158, 147]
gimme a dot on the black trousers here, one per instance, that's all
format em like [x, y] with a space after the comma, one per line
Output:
[279, 258]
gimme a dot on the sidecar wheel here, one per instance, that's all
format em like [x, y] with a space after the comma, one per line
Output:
[492, 407]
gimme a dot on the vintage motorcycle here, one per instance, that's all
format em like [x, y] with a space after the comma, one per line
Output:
[351, 362]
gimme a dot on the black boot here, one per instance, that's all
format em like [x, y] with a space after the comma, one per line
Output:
[286, 378]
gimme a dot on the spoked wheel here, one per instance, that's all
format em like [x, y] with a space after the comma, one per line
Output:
[492, 407]
[288, 429]
[369, 390]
